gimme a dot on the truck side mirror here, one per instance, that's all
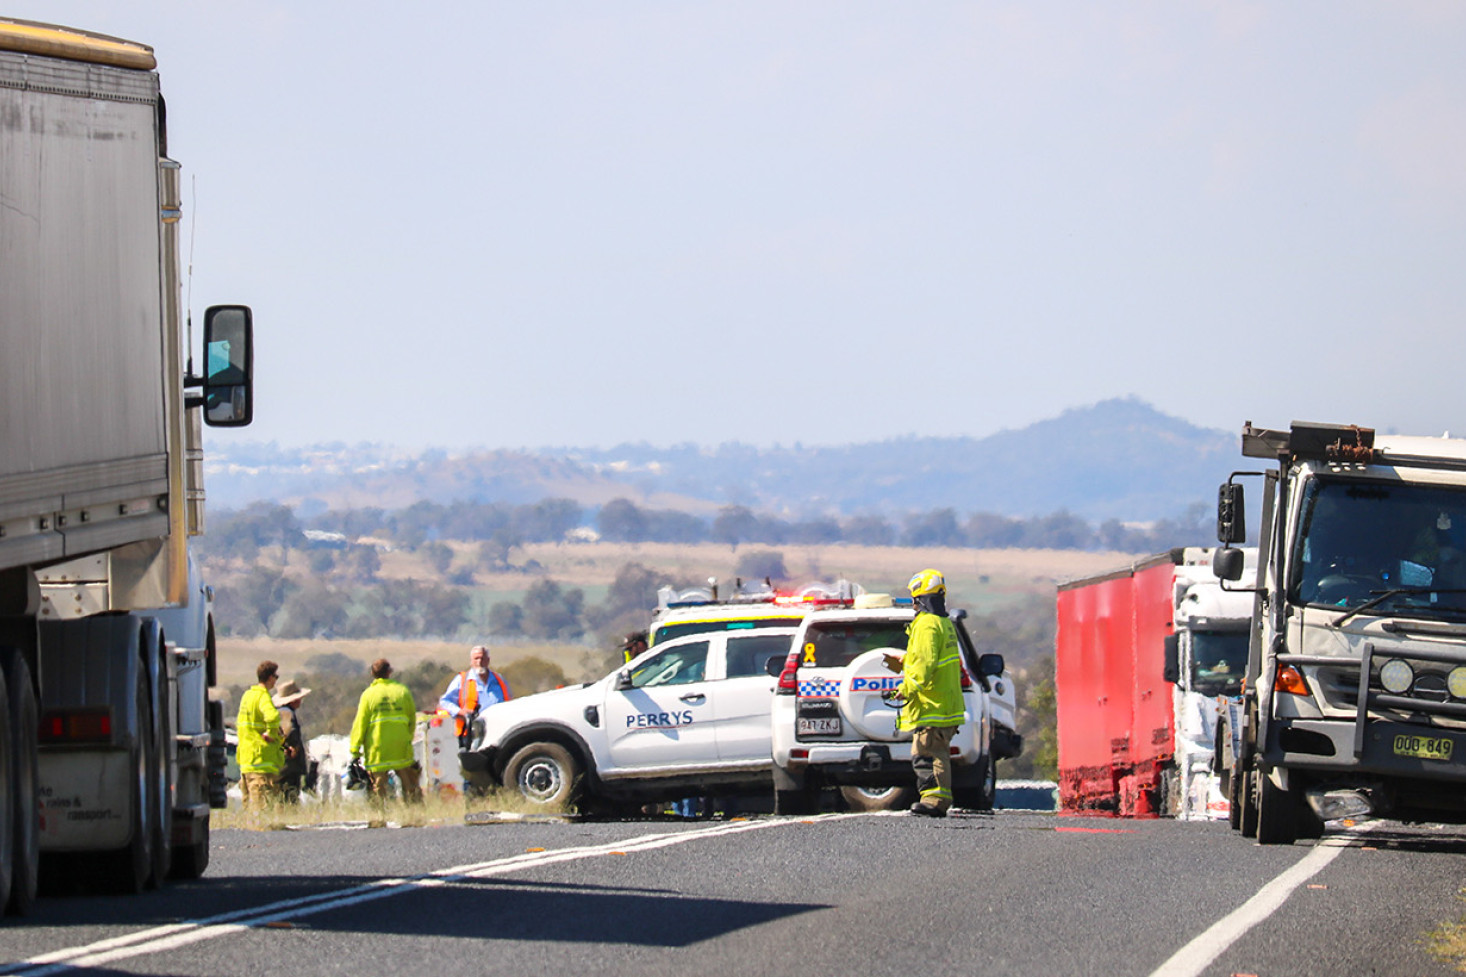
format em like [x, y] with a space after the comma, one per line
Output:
[990, 665]
[775, 665]
[1227, 564]
[228, 366]
[623, 680]
[1231, 514]
[1171, 670]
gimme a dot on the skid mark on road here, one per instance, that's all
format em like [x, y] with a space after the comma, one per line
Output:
[1199, 954]
[171, 937]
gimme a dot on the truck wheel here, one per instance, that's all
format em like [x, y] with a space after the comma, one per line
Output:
[190, 862]
[24, 759]
[162, 774]
[131, 867]
[1247, 819]
[545, 774]
[1235, 798]
[8, 735]
[877, 798]
[1277, 812]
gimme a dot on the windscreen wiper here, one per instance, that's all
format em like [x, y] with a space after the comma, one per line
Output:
[1385, 595]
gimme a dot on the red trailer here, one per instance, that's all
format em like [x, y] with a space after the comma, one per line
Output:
[1116, 724]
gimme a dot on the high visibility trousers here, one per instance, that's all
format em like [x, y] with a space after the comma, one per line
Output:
[931, 758]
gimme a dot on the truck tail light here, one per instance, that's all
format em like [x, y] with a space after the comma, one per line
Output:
[789, 677]
[966, 681]
[1290, 680]
[76, 726]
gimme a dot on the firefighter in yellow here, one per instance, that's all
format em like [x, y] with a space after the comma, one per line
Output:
[931, 684]
[386, 718]
[261, 751]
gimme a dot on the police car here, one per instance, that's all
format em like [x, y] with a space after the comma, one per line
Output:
[688, 716]
[832, 727]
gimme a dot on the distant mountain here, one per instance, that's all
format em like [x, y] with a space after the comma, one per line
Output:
[1119, 459]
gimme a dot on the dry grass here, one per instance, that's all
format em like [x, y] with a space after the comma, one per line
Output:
[238, 657]
[984, 581]
[447, 808]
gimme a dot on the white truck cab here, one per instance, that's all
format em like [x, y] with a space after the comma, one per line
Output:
[833, 727]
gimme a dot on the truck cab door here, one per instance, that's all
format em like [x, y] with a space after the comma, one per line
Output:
[662, 715]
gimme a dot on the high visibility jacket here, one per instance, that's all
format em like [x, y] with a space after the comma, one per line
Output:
[466, 693]
[257, 718]
[931, 670]
[386, 718]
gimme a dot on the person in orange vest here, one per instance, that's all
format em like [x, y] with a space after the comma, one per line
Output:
[472, 691]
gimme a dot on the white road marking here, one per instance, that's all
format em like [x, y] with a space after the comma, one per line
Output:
[175, 935]
[1196, 956]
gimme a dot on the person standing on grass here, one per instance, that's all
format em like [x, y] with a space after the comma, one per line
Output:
[386, 718]
[261, 752]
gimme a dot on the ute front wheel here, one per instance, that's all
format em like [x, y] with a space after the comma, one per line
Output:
[545, 774]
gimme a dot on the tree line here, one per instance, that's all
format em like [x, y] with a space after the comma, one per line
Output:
[502, 527]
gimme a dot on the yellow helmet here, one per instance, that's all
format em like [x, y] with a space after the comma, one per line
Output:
[927, 582]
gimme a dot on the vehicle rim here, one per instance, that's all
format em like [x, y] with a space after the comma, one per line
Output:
[541, 779]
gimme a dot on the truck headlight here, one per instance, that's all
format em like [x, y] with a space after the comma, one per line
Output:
[1456, 682]
[1397, 676]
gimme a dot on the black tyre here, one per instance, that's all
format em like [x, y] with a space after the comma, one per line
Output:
[7, 794]
[878, 798]
[1277, 812]
[1235, 798]
[129, 869]
[162, 775]
[545, 774]
[24, 763]
[1247, 820]
[192, 861]
[802, 800]
[983, 795]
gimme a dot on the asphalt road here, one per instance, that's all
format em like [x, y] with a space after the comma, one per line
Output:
[1006, 894]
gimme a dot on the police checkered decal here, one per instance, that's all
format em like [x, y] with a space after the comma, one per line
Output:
[819, 688]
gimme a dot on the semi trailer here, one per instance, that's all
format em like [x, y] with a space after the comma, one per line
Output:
[1146, 657]
[111, 754]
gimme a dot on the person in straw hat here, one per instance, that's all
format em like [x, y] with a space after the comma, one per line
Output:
[297, 765]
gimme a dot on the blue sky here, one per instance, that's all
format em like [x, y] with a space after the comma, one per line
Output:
[525, 224]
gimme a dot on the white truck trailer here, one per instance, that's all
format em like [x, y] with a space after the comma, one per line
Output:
[109, 749]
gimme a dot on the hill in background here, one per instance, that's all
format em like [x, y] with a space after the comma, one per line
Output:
[1119, 459]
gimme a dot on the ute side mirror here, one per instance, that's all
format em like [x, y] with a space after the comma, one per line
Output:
[1227, 564]
[1171, 671]
[228, 380]
[1231, 514]
[623, 680]
[990, 665]
[774, 666]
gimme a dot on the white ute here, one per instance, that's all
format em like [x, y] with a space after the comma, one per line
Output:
[689, 716]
